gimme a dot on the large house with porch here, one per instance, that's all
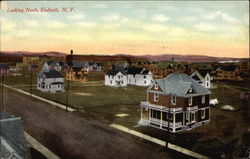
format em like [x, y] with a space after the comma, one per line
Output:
[176, 102]
[50, 81]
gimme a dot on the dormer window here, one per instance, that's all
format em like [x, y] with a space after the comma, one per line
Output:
[156, 97]
[173, 100]
[203, 99]
[190, 101]
[156, 86]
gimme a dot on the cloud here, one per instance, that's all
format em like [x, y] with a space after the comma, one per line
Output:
[6, 24]
[31, 23]
[76, 16]
[205, 27]
[111, 17]
[212, 15]
[160, 18]
[229, 18]
[55, 24]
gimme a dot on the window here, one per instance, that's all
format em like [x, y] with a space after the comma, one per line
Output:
[122, 82]
[203, 112]
[121, 76]
[145, 76]
[156, 97]
[145, 82]
[155, 114]
[58, 85]
[134, 76]
[173, 100]
[192, 115]
[203, 99]
[190, 101]
[187, 116]
[110, 81]
[156, 86]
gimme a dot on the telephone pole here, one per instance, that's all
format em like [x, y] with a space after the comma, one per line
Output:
[167, 138]
[69, 63]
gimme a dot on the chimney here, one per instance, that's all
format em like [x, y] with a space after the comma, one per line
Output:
[71, 52]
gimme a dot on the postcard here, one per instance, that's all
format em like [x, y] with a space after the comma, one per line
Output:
[124, 79]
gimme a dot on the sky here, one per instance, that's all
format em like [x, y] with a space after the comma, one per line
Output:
[213, 28]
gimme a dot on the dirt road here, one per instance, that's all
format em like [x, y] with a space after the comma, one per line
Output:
[73, 136]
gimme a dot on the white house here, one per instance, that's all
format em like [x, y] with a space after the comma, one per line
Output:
[116, 78]
[50, 81]
[139, 76]
[203, 77]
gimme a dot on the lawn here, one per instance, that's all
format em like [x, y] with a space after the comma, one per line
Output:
[226, 136]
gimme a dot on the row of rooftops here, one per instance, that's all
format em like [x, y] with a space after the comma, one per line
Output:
[127, 70]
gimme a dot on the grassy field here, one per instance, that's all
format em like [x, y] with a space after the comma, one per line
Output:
[226, 136]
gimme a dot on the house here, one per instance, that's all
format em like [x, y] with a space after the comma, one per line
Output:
[77, 74]
[83, 65]
[13, 143]
[139, 76]
[54, 65]
[178, 100]
[50, 81]
[228, 72]
[202, 76]
[33, 68]
[116, 78]
[4, 70]
[96, 67]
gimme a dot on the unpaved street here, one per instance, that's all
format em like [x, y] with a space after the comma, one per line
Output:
[73, 136]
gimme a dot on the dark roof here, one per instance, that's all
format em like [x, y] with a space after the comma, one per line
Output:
[57, 83]
[178, 84]
[228, 68]
[114, 72]
[134, 70]
[4, 66]
[195, 77]
[12, 137]
[76, 69]
[33, 66]
[137, 70]
[50, 74]
[61, 63]
[145, 71]
[203, 72]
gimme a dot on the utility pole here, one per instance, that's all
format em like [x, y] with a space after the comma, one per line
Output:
[31, 80]
[167, 138]
[69, 62]
[2, 75]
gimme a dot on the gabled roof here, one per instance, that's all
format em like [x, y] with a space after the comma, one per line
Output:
[195, 77]
[134, 70]
[4, 66]
[80, 64]
[12, 137]
[203, 72]
[137, 70]
[50, 74]
[178, 84]
[115, 71]
[228, 68]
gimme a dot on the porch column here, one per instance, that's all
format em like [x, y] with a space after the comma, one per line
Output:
[173, 120]
[141, 113]
[161, 120]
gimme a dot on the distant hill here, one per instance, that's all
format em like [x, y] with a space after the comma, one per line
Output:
[22, 53]
[189, 58]
[163, 57]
